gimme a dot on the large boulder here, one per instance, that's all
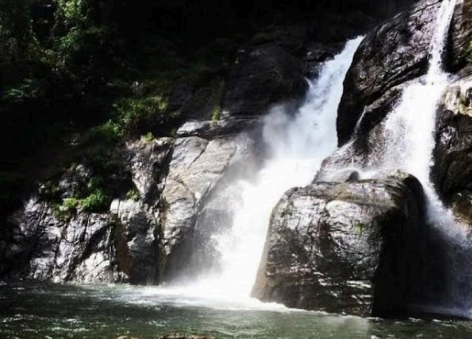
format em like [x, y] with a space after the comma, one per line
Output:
[344, 247]
[391, 55]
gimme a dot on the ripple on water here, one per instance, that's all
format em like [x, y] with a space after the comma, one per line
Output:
[107, 312]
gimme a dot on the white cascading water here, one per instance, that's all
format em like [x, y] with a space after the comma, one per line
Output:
[409, 141]
[410, 127]
[409, 130]
[296, 147]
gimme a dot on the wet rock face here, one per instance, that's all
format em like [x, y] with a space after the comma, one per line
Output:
[344, 247]
[120, 245]
[395, 52]
[461, 33]
[263, 75]
[45, 248]
[391, 55]
[453, 153]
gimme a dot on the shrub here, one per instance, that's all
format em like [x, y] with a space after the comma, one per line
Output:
[148, 137]
[469, 53]
[217, 97]
[95, 202]
[67, 209]
[133, 194]
[108, 133]
[135, 114]
[71, 203]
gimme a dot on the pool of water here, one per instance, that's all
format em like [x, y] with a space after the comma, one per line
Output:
[39, 310]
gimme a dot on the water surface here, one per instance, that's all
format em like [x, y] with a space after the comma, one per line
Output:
[39, 310]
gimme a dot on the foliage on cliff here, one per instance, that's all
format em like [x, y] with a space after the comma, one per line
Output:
[68, 66]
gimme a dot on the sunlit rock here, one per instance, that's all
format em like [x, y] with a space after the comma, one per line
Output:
[344, 247]
[452, 169]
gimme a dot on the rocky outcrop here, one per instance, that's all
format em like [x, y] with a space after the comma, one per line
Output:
[40, 246]
[195, 172]
[43, 242]
[344, 247]
[461, 36]
[263, 76]
[453, 153]
[391, 55]
[272, 67]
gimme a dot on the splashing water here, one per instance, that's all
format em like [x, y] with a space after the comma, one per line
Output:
[296, 147]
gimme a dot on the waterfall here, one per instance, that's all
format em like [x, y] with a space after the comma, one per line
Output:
[296, 146]
[409, 129]
[408, 144]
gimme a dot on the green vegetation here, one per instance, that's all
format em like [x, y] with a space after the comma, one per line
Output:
[133, 194]
[90, 198]
[360, 228]
[80, 77]
[94, 202]
[148, 137]
[469, 53]
[217, 98]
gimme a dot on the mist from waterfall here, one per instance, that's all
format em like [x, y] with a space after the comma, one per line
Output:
[296, 145]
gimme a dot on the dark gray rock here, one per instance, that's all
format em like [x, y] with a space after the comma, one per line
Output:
[395, 52]
[344, 247]
[135, 236]
[148, 161]
[461, 31]
[452, 169]
[46, 248]
[213, 129]
[263, 76]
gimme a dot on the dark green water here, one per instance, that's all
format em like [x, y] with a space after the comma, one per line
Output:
[72, 311]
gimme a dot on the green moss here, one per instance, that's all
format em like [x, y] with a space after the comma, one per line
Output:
[469, 53]
[148, 137]
[360, 228]
[95, 202]
[67, 209]
[133, 194]
[217, 99]
[71, 203]
[216, 114]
